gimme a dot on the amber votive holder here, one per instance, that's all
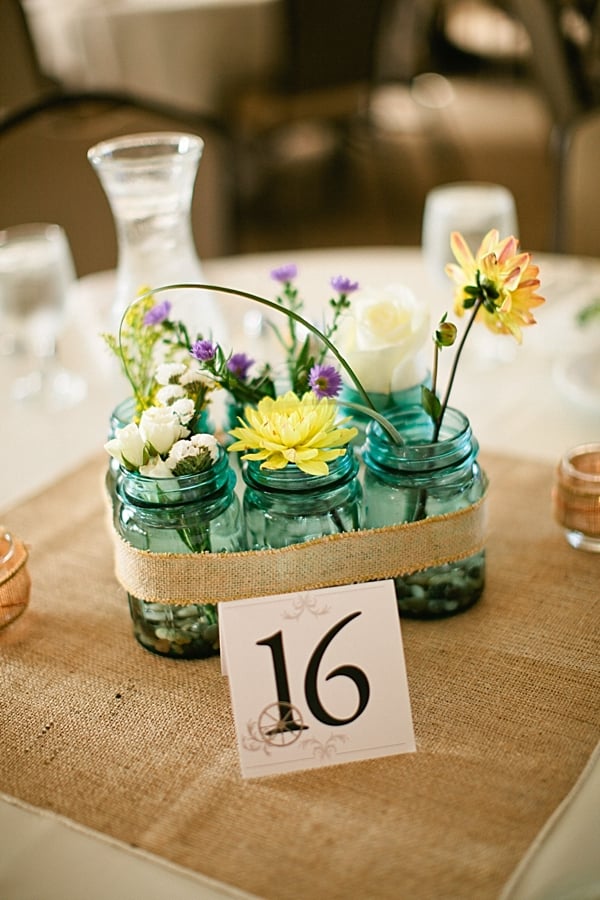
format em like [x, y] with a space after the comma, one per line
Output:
[576, 496]
[15, 582]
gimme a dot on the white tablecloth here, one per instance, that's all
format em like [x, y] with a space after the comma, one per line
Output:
[191, 53]
[518, 406]
[514, 406]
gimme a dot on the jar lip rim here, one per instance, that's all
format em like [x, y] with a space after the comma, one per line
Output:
[254, 467]
[182, 480]
[463, 423]
[581, 450]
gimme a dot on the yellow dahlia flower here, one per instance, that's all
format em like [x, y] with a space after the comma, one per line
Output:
[290, 429]
[504, 279]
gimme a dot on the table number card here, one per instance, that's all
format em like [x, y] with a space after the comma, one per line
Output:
[316, 678]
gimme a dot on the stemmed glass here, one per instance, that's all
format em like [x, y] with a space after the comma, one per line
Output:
[472, 208]
[36, 273]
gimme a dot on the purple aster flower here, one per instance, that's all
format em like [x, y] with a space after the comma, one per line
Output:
[239, 364]
[204, 350]
[324, 381]
[158, 313]
[343, 285]
[285, 273]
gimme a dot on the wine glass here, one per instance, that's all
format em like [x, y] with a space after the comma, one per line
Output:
[36, 273]
[472, 208]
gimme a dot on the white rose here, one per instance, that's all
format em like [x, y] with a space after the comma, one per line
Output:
[156, 468]
[127, 447]
[382, 336]
[160, 427]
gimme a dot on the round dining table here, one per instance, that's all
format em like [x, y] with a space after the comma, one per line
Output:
[192, 54]
[66, 833]
[530, 399]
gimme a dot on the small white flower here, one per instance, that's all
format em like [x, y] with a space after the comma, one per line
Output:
[128, 447]
[197, 445]
[179, 451]
[209, 441]
[194, 374]
[156, 468]
[169, 393]
[160, 427]
[169, 373]
[185, 409]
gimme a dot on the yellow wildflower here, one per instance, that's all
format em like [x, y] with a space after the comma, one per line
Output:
[505, 279]
[290, 429]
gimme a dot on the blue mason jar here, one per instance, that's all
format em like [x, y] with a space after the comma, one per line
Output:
[287, 506]
[419, 479]
[122, 415]
[183, 514]
[383, 403]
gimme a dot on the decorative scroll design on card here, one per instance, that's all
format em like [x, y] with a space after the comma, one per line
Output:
[307, 602]
[324, 749]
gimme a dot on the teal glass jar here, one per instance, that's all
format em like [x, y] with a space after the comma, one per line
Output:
[420, 479]
[383, 403]
[287, 506]
[122, 415]
[185, 514]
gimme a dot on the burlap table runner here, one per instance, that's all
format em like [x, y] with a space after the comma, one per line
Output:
[505, 699]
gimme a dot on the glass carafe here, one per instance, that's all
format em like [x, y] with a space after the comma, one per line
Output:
[149, 181]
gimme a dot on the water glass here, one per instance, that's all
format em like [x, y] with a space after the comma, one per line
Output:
[472, 208]
[36, 273]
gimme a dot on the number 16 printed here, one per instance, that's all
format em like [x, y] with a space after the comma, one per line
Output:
[316, 678]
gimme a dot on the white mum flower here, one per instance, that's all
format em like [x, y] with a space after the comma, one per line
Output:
[194, 374]
[169, 373]
[209, 441]
[185, 409]
[169, 394]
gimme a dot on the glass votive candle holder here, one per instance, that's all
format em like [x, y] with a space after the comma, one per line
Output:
[15, 582]
[576, 496]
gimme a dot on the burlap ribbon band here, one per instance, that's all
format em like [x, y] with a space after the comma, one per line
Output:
[349, 558]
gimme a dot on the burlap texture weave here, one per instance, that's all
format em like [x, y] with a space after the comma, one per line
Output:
[349, 558]
[505, 700]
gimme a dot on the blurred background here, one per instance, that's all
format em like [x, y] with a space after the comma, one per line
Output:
[326, 122]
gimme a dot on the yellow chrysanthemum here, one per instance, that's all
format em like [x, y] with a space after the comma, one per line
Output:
[290, 429]
[506, 278]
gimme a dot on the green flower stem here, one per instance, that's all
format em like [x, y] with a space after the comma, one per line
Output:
[385, 423]
[459, 349]
[421, 504]
[370, 409]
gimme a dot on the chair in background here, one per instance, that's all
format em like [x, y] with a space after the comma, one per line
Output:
[550, 60]
[579, 186]
[564, 69]
[331, 53]
[45, 133]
